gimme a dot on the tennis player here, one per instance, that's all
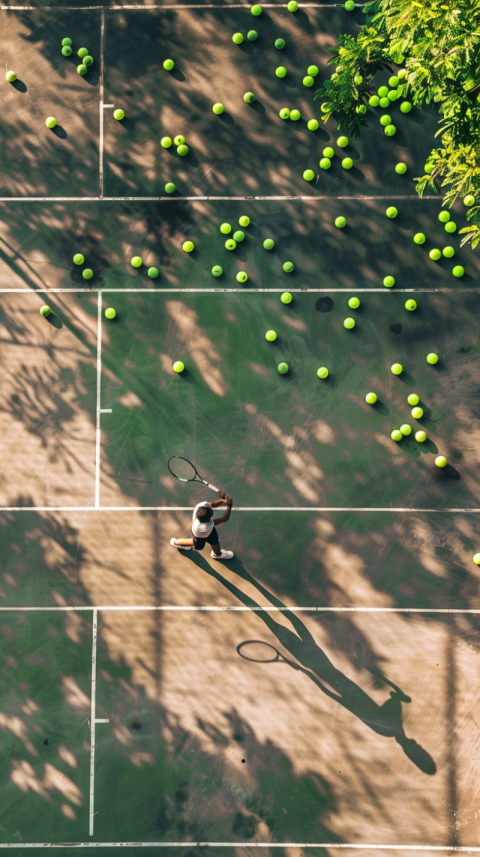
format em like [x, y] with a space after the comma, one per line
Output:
[204, 528]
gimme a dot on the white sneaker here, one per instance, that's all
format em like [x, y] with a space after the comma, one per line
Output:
[223, 555]
[180, 547]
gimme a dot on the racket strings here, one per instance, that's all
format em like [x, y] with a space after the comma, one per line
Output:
[182, 469]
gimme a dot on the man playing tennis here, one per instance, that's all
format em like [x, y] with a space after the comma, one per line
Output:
[204, 528]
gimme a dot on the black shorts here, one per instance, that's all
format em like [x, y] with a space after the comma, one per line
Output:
[212, 539]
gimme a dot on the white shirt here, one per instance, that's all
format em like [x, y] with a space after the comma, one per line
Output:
[201, 529]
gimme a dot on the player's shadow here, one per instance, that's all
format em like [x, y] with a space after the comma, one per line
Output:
[310, 659]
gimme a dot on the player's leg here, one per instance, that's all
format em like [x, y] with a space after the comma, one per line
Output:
[217, 552]
[183, 544]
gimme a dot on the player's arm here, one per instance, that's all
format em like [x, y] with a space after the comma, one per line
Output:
[228, 501]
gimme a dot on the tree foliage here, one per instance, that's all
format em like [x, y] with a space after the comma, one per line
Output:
[438, 45]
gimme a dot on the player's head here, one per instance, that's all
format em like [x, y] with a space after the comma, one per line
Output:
[205, 511]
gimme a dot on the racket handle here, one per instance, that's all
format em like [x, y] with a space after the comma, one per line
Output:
[212, 487]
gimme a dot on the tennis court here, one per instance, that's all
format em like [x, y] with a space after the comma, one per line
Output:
[317, 694]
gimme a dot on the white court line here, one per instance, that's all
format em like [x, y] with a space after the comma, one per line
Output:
[225, 6]
[101, 105]
[246, 290]
[211, 608]
[93, 693]
[98, 431]
[468, 849]
[107, 105]
[173, 199]
[387, 509]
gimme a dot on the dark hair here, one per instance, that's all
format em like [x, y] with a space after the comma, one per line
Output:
[208, 513]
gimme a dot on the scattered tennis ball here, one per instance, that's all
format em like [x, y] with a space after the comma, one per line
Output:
[88, 61]
[349, 323]
[347, 163]
[342, 142]
[136, 261]
[358, 79]
[166, 142]
[217, 108]
[242, 277]
[401, 169]
[45, 310]
[349, 5]
[448, 252]
[178, 366]
[419, 238]
[82, 69]
[110, 312]
[270, 336]
[252, 35]
[390, 130]
[476, 558]
[286, 298]
[312, 124]
[67, 51]
[295, 115]
[256, 10]
[179, 140]
[288, 267]
[11, 76]
[389, 282]
[383, 91]
[279, 44]
[118, 114]
[281, 71]
[392, 95]
[217, 271]
[328, 152]
[406, 429]
[268, 244]
[391, 211]
[435, 254]
[308, 80]
[67, 41]
[249, 98]
[396, 369]
[225, 228]
[308, 175]
[405, 107]
[429, 168]
[450, 227]
[458, 271]
[182, 150]
[413, 399]
[441, 461]
[282, 368]
[410, 304]
[170, 187]
[237, 38]
[78, 259]
[87, 274]
[417, 413]
[420, 436]
[153, 273]
[396, 435]
[353, 303]
[50, 122]
[284, 113]
[393, 81]
[168, 65]
[82, 52]
[322, 372]
[469, 200]
[244, 221]
[239, 236]
[385, 120]
[188, 246]
[374, 101]
[432, 358]
[371, 398]
[230, 244]
[312, 70]
[384, 102]
[340, 222]
[444, 216]
[325, 163]
[292, 6]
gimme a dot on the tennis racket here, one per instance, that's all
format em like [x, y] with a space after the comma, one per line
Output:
[185, 471]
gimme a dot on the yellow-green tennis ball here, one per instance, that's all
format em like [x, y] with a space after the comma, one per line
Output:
[371, 398]
[153, 273]
[118, 114]
[347, 163]
[429, 168]
[435, 254]
[396, 435]
[391, 211]
[217, 108]
[406, 429]
[78, 259]
[432, 358]
[11, 76]
[82, 69]
[393, 81]
[328, 152]
[242, 277]
[389, 282]
[281, 71]
[168, 65]
[385, 120]
[308, 175]
[50, 122]
[384, 102]
[67, 51]
[410, 304]
[392, 95]
[401, 169]
[87, 274]
[237, 38]
[244, 221]
[270, 336]
[322, 372]
[469, 200]
[284, 113]
[286, 298]
[383, 91]
[312, 124]
[340, 222]
[45, 310]
[458, 271]
[353, 303]
[419, 238]
[308, 80]
[448, 252]
[476, 558]
[88, 61]
[325, 163]
[444, 216]
[312, 70]
[374, 101]
[268, 244]
[342, 142]
[279, 44]
[110, 312]
[417, 413]
[225, 229]
[358, 79]
[405, 107]
[252, 35]
[182, 151]
[179, 140]
[238, 236]
[349, 323]
[450, 227]
[413, 399]
[217, 271]
[230, 244]
[256, 10]
[441, 461]
[136, 261]
[282, 368]
[396, 369]
[295, 115]
[67, 41]
[288, 267]
[390, 130]
[420, 436]
[292, 6]
[178, 366]
[349, 5]
[170, 187]
[249, 98]
[188, 246]
[82, 52]
[166, 142]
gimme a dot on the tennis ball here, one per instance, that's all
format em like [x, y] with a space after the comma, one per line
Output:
[417, 413]
[244, 221]
[448, 252]
[166, 142]
[312, 70]
[284, 113]
[308, 80]
[353, 303]
[225, 228]
[411, 305]
[391, 211]
[252, 35]
[282, 368]
[82, 69]
[281, 71]
[420, 436]
[428, 168]
[268, 244]
[401, 169]
[288, 267]
[396, 435]
[340, 222]
[67, 41]
[67, 51]
[279, 44]
[256, 10]
[110, 312]
[230, 244]
[50, 122]
[170, 187]
[392, 95]
[118, 115]
[349, 5]
[469, 200]
[322, 372]
[413, 399]
[435, 254]
[182, 150]
[371, 398]
[88, 61]
[249, 97]
[458, 271]
[217, 271]
[450, 227]
[179, 140]
[406, 429]
[286, 298]
[87, 274]
[168, 65]
[390, 130]
[78, 259]
[312, 124]
[11, 76]
[374, 101]
[393, 81]
[389, 282]
[308, 175]
[444, 216]
[396, 369]
[358, 79]
[188, 246]
[270, 336]
[347, 163]
[441, 461]
[325, 163]
[45, 310]
[385, 120]
[405, 107]
[349, 323]
[237, 38]
[153, 273]
[419, 238]
[136, 261]
[82, 52]
[476, 558]
[295, 115]
[242, 277]
[342, 142]
[383, 91]
[328, 152]
[432, 358]
[178, 366]
[238, 236]
[217, 108]
[292, 6]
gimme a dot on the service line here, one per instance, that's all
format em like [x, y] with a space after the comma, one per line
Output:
[233, 608]
[246, 290]
[323, 509]
[450, 849]
[171, 199]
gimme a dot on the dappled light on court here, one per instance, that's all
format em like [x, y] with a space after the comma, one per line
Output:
[201, 348]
